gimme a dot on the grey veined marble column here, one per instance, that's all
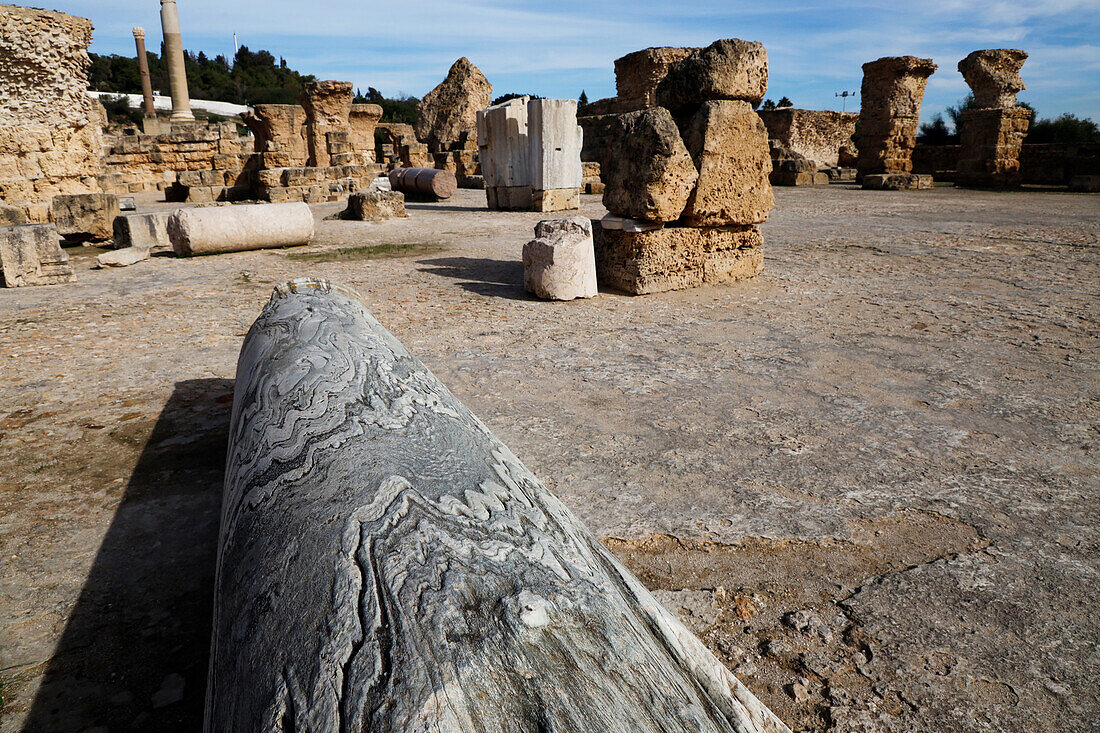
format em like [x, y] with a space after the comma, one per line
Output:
[173, 57]
[386, 564]
[143, 67]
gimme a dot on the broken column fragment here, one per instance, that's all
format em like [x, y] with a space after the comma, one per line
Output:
[992, 132]
[637, 75]
[361, 123]
[217, 229]
[31, 254]
[559, 263]
[891, 96]
[726, 69]
[374, 205]
[328, 107]
[386, 552]
[142, 231]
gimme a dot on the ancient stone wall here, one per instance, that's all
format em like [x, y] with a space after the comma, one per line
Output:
[1051, 164]
[50, 139]
[150, 162]
[816, 134]
[637, 75]
[280, 134]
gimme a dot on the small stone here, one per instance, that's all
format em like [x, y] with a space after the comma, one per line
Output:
[560, 263]
[122, 257]
[799, 691]
[127, 204]
[777, 648]
[170, 692]
[808, 622]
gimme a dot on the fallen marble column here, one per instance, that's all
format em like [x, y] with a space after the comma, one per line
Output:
[216, 229]
[429, 182]
[386, 564]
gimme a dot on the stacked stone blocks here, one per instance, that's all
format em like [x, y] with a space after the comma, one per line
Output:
[889, 117]
[686, 182]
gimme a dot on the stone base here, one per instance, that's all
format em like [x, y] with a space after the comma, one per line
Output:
[1085, 184]
[374, 205]
[509, 198]
[990, 141]
[674, 258]
[896, 182]
[85, 216]
[786, 178]
[556, 199]
[31, 254]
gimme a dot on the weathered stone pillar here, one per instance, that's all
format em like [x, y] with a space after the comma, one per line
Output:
[328, 108]
[992, 134]
[143, 67]
[173, 57]
[890, 99]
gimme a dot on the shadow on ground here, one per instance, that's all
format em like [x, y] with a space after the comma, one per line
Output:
[433, 206]
[134, 653]
[484, 276]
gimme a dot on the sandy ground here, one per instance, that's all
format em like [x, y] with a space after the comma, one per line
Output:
[893, 431]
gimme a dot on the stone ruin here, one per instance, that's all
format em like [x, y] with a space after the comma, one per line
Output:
[687, 181]
[889, 116]
[530, 154]
[447, 121]
[308, 152]
[50, 136]
[992, 133]
[401, 149]
[637, 75]
[810, 146]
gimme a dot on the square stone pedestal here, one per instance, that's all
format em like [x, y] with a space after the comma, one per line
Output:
[991, 140]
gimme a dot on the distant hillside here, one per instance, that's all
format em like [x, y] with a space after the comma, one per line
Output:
[253, 78]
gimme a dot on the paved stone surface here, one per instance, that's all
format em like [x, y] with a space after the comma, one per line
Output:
[893, 428]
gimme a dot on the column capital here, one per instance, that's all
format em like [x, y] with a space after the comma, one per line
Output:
[139, 32]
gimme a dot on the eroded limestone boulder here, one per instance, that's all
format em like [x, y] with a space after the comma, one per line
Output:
[560, 263]
[375, 205]
[729, 145]
[85, 216]
[450, 110]
[648, 171]
[31, 254]
[994, 76]
[726, 69]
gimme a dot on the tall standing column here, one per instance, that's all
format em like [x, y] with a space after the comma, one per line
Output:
[143, 67]
[173, 57]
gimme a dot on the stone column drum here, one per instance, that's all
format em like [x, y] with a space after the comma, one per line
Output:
[992, 134]
[143, 67]
[891, 96]
[173, 57]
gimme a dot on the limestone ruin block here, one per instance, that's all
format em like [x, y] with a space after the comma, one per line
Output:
[85, 216]
[216, 229]
[375, 205]
[31, 254]
[142, 231]
[889, 114]
[12, 215]
[994, 76]
[726, 69]
[729, 145]
[123, 257]
[637, 75]
[280, 129]
[505, 154]
[385, 563]
[50, 139]
[450, 110]
[674, 258]
[818, 135]
[648, 171]
[560, 263]
[328, 108]
[897, 182]
[362, 122]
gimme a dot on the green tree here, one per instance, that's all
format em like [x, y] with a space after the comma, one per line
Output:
[784, 102]
[768, 104]
[401, 109]
[1065, 128]
[583, 99]
[955, 113]
[936, 133]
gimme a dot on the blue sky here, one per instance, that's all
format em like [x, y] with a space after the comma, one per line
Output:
[557, 49]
